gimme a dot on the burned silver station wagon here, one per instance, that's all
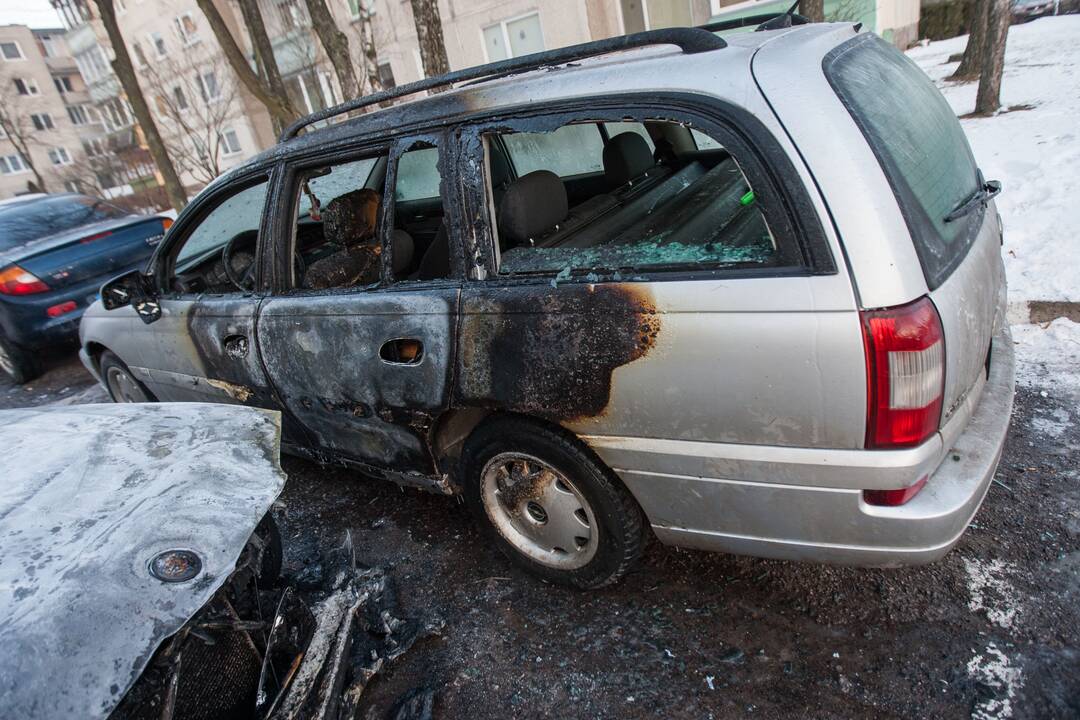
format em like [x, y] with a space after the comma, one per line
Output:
[745, 292]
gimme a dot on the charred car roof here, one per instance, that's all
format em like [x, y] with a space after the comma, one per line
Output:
[91, 495]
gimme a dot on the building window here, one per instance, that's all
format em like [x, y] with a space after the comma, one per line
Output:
[291, 15]
[92, 64]
[77, 113]
[26, 86]
[189, 31]
[179, 98]
[42, 121]
[326, 86]
[71, 186]
[12, 165]
[11, 51]
[63, 84]
[46, 45]
[116, 114]
[59, 156]
[354, 8]
[159, 44]
[386, 75]
[513, 38]
[140, 56]
[230, 142]
[93, 147]
[208, 86]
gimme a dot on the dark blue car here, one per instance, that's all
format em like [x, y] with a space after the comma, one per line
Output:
[55, 253]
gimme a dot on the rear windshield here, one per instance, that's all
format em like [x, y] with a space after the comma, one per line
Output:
[919, 143]
[26, 221]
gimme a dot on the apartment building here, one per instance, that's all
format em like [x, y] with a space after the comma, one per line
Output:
[43, 112]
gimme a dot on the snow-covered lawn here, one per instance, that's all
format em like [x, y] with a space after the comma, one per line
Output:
[1035, 153]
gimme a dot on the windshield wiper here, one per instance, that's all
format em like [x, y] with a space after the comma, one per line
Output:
[990, 189]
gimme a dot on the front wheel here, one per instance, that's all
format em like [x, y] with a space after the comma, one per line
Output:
[549, 504]
[121, 384]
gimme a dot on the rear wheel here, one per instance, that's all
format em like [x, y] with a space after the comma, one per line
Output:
[121, 384]
[18, 363]
[550, 505]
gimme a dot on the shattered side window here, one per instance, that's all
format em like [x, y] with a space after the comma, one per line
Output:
[676, 210]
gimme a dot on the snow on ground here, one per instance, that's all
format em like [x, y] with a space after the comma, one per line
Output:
[1035, 153]
[1048, 356]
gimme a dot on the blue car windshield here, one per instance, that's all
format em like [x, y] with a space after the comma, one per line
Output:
[24, 222]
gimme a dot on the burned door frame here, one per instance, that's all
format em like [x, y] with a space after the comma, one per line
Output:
[322, 349]
[204, 343]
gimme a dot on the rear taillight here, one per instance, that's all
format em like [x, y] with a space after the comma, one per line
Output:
[905, 374]
[60, 309]
[166, 223]
[16, 281]
[893, 498]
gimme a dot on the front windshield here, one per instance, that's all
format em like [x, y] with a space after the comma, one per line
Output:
[27, 221]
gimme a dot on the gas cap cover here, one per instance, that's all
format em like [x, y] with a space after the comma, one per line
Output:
[174, 566]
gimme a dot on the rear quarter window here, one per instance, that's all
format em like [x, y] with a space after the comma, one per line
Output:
[918, 140]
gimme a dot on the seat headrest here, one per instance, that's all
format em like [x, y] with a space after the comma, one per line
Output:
[403, 246]
[350, 219]
[532, 206]
[626, 157]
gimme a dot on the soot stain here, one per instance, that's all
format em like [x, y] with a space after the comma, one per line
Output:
[552, 355]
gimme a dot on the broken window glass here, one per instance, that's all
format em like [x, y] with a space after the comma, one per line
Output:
[666, 199]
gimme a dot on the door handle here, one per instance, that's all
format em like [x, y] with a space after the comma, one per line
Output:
[236, 346]
[402, 351]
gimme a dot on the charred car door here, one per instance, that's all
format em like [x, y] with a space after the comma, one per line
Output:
[201, 347]
[359, 341]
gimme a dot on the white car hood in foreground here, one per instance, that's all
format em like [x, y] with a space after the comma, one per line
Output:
[88, 495]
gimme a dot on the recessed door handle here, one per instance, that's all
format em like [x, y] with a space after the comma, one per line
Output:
[402, 351]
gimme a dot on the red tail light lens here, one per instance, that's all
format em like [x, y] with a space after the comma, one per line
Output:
[893, 498]
[16, 281]
[905, 374]
[61, 309]
[166, 223]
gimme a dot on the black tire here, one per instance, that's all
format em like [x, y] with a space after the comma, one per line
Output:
[18, 363]
[119, 382]
[615, 516]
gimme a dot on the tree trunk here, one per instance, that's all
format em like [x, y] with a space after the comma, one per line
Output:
[264, 57]
[813, 10]
[369, 51]
[336, 44]
[988, 99]
[126, 73]
[276, 101]
[971, 63]
[429, 36]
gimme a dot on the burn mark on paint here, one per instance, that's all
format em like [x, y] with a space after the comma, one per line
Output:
[552, 355]
[240, 393]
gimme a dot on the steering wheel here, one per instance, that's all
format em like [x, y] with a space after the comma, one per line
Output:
[246, 281]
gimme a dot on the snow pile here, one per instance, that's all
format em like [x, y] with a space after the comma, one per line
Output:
[993, 669]
[1034, 152]
[1049, 357]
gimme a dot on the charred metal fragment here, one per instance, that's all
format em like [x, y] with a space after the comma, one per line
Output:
[526, 349]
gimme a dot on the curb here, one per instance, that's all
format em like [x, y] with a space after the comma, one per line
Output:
[1042, 311]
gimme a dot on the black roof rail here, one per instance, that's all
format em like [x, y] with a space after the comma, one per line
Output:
[690, 40]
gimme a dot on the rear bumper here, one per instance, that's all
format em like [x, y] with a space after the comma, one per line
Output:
[806, 504]
[25, 322]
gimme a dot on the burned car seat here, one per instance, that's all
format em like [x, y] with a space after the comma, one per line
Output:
[629, 166]
[349, 222]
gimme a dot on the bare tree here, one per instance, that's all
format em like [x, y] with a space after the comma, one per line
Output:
[814, 10]
[364, 28]
[971, 63]
[197, 115]
[18, 130]
[124, 70]
[336, 45]
[429, 36]
[267, 90]
[988, 98]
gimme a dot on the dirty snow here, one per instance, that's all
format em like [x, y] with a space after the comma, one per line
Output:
[1035, 152]
[993, 669]
[1048, 357]
[990, 591]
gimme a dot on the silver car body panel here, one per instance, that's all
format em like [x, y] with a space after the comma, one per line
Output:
[741, 427]
[90, 495]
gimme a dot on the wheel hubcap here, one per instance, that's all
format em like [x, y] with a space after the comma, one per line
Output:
[123, 386]
[539, 511]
